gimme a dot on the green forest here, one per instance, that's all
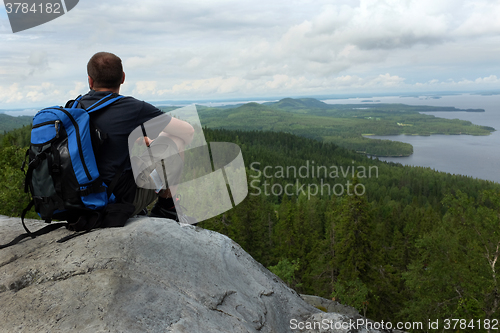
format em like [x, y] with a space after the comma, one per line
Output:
[343, 124]
[417, 245]
[398, 243]
[8, 123]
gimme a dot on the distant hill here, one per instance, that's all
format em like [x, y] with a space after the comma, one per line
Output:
[299, 104]
[314, 106]
[342, 124]
[8, 123]
[252, 105]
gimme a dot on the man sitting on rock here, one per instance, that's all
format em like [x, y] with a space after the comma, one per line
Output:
[117, 121]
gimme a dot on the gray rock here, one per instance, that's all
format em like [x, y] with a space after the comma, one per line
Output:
[153, 275]
[331, 306]
[341, 318]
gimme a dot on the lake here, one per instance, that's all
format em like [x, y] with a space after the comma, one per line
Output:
[476, 156]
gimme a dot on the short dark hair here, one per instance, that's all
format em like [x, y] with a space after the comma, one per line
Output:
[106, 70]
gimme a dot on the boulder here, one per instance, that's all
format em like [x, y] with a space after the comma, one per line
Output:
[153, 275]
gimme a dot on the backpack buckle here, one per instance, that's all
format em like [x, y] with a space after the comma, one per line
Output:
[93, 187]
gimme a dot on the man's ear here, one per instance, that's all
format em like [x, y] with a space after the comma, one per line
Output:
[123, 78]
[91, 83]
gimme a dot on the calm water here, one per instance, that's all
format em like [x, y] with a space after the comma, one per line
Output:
[476, 156]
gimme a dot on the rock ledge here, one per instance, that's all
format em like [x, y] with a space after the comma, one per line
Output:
[153, 275]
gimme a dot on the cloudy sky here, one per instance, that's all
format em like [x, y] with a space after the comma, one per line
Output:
[218, 49]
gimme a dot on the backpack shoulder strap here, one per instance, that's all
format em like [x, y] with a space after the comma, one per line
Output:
[103, 102]
[73, 104]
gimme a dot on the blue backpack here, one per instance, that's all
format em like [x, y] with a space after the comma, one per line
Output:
[62, 175]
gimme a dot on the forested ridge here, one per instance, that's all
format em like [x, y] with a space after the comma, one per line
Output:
[8, 123]
[417, 245]
[342, 124]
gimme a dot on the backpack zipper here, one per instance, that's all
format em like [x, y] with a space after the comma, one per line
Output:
[45, 123]
[56, 124]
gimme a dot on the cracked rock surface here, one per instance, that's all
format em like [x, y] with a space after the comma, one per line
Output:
[153, 275]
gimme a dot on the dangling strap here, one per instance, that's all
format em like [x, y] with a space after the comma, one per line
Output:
[43, 231]
[24, 161]
[23, 214]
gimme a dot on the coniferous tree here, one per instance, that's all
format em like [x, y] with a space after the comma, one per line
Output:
[455, 274]
[353, 249]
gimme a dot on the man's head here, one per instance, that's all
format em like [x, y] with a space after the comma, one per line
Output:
[105, 71]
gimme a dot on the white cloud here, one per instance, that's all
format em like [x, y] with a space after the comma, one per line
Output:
[145, 87]
[487, 82]
[38, 61]
[482, 20]
[492, 79]
[212, 49]
[10, 94]
[41, 92]
[206, 87]
[79, 87]
[388, 80]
